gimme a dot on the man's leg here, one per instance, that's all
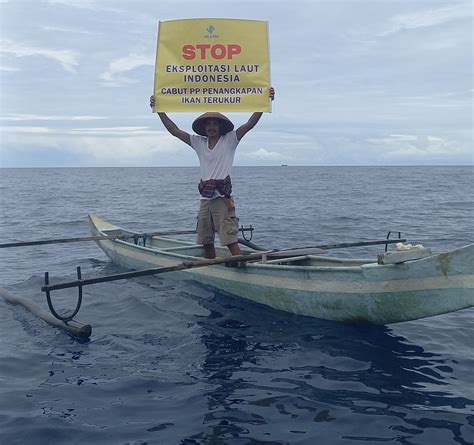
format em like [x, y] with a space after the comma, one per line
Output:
[210, 251]
[205, 230]
[235, 249]
[226, 223]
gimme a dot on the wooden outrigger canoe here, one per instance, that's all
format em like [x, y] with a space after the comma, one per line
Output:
[349, 290]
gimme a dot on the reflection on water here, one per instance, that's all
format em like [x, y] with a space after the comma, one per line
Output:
[313, 377]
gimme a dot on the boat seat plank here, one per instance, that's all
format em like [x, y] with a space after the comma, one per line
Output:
[290, 253]
[179, 248]
[289, 260]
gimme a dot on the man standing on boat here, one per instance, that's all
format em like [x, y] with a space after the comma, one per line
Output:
[215, 144]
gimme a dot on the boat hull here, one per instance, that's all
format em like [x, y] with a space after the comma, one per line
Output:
[379, 294]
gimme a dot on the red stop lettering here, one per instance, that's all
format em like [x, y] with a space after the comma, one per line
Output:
[233, 50]
[217, 51]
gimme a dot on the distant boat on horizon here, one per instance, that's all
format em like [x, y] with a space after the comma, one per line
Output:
[284, 165]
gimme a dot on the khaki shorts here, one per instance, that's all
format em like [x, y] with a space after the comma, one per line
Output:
[214, 216]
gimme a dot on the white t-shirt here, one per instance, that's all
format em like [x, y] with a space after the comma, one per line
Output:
[215, 163]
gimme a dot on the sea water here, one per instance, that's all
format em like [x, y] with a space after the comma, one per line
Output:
[172, 362]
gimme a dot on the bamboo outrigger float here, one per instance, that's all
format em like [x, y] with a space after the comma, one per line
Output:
[396, 287]
[73, 327]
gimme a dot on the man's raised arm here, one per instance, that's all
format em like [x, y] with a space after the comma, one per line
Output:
[245, 128]
[171, 126]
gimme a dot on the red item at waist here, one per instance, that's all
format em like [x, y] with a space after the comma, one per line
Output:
[222, 186]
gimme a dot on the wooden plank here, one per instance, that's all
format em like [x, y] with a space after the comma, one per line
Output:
[296, 252]
[286, 260]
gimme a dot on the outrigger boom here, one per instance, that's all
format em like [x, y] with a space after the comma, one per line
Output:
[135, 237]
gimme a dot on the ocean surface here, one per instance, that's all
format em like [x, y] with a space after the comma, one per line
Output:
[172, 362]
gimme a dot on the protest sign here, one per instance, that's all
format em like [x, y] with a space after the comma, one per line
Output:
[212, 65]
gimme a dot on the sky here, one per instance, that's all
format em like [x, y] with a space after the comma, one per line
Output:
[358, 82]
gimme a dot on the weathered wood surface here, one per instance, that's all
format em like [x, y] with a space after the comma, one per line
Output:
[73, 327]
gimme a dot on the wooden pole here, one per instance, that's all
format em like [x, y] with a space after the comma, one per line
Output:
[95, 238]
[156, 271]
[73, 327]
[356, 244]
[101, 238]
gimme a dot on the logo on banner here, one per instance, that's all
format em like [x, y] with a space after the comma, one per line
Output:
[210, 33]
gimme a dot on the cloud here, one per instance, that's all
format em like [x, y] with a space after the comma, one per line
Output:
[416, 148]
[66, 58]
[427, 18]
[96, 146]
[395, 138]
[114, 76]
[91, 5]
[83, 4]
[125, 150]
[69, 30]
[265, 155]
[118, 131]
[440, 146]
[8, 69]
[36, 117]
[26, 130]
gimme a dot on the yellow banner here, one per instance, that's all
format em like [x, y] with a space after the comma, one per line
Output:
[212, 65]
